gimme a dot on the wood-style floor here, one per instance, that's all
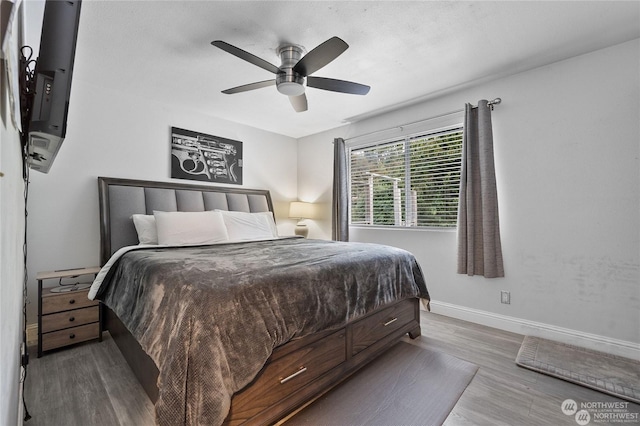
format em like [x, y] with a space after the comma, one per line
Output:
[91, 384]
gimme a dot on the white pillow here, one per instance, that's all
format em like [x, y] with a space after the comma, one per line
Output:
[146, 228]
[242, 226]
[188, 228]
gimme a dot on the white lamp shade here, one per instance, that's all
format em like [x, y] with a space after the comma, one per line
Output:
[300, 210]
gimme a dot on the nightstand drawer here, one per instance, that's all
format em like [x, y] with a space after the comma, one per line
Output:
[52, 303]
[371, 329]
[69, 336]
[67, 319]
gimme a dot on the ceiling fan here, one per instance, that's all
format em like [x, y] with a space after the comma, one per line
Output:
[295, 69]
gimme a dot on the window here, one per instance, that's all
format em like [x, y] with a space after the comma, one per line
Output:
[408, 182]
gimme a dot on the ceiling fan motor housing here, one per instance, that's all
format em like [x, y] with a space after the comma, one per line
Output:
[288, 82]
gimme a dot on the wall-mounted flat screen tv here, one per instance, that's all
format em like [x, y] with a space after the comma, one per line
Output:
[53, 72]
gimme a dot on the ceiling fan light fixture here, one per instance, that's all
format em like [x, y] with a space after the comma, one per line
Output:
[290, 88]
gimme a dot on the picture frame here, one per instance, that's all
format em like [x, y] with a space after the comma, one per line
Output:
[203, 157]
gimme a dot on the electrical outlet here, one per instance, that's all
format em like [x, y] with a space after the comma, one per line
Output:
[505, 297]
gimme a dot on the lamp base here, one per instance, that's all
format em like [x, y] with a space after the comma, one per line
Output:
[302, 230]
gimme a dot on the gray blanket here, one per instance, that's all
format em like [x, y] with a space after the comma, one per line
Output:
[210, 316]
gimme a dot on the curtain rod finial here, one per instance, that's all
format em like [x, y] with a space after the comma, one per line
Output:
[496, 101]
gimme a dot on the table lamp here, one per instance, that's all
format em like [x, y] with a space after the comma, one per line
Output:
[301, 211]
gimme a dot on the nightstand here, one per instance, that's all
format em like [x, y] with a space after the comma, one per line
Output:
[65, 314]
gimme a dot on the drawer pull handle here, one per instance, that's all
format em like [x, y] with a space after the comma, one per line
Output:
[72, 319]
[391, 321]
[72, 301]
[297, 373]
[72, 336]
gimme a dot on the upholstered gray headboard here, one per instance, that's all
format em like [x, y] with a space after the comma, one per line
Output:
[121, 198]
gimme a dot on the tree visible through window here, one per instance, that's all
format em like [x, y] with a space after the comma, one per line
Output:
[413, 182]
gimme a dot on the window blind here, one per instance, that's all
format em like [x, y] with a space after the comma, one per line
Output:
[408, 182]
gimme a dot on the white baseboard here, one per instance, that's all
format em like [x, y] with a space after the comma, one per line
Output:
[538, 329]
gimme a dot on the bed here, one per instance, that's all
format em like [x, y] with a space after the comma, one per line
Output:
[242, 330]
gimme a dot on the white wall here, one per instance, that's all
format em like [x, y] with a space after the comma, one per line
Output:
[113, 134]
[315, 173]
[11, 241]
[567, 157]
[11, 260]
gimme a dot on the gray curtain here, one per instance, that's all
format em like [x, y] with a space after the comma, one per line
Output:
[479, 247]
[340, 201]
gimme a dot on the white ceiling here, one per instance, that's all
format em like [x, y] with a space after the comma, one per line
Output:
[406, 51]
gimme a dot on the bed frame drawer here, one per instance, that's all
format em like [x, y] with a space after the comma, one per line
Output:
[373, 328]
[278, 379]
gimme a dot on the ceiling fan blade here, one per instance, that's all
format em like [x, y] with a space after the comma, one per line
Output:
[337, 85]
[249, 57]
[250, 86]
[320, 56]
[299, 103]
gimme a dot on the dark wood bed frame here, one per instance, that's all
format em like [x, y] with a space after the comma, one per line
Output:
[296, 372]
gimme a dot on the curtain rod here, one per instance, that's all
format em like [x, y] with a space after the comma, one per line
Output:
[490, 104]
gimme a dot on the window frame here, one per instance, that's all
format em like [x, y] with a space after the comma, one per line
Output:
[369, 142]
